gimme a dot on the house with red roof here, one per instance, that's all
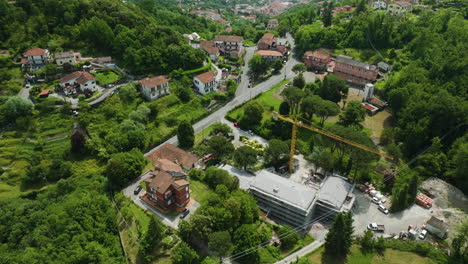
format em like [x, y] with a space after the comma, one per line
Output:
[155, 87]
[205, 82]
[229, 45]
[35, 58]
[65, 57]
[210, 49]
[270, 55]
[317, 59]
[79, 79]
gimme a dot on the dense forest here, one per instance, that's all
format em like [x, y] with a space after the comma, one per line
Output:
[143, 37]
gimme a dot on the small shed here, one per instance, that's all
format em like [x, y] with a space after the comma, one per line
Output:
[44, 93]
[371, 110]
[383, 66]
[437, 227]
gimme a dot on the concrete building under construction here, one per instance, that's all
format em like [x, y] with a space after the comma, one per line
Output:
[297, 204]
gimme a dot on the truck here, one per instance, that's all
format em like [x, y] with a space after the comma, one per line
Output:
[376, 227]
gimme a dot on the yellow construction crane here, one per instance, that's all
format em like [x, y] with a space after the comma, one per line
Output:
[322, 132]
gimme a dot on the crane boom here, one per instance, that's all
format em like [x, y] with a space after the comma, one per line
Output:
[325, 133]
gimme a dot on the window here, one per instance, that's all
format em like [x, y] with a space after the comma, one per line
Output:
[186, 188]
[169, 202]
[86, 84]
[153, 91]
[186, 196]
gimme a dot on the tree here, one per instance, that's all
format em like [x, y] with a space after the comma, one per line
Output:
[258, 65]
[299, 81]
[277, 66]
[308, 105]
[458, 163]
[367, 241]
[185, 231]
[339, 238]
[253, 114]
[277, 152]
[128, 92]
[333, 88]
[284, 108]
[245, 156]
[353, 114]
[215, 176]
[299, 68]
[293, 96]
[327, 15]
[361, 7]
[460, 244]
[78, 141]
[288, 236]
[183, 254]
[412, 188]
[220, 147]
[325, 109]
[245, 238]
[184, 93]
[220, 242]
[124, 167]
[154, 234]
[185, 135]
[17, 106]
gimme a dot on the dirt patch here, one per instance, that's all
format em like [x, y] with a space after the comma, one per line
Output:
[377, 123]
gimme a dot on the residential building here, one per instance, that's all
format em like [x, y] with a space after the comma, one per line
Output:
[35, 58]
[354, 71]
[267, 42]
[295, 204]
[69, 57]
[78, 80]
[210, 49]
[379, 5]
[270, 55]
[399, 8]
[335, 195]
[172, 153]
[205, 82]
[167, 187]
[229, 45]
[317, 60]
[155, 87]
[283, 199]
[437, 227]
[272, 24]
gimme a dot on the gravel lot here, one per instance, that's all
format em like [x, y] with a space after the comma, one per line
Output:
[366, 212]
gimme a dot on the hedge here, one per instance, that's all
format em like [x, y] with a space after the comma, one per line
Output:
[203, 69]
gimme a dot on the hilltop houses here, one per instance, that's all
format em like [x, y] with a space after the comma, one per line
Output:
[229, 45]
[210, 49]
[78, 80]
[354, 71]
[35, 58]
[155, 87]
[272, 24]
[205, 82]
[69, 57]
[317, 60]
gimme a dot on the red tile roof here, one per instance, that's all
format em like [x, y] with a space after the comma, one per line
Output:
[67, 54]
[45, 92]
[174, 154]
[35, 52]
[81, 77]
[167, 165]
[228, 38]
[273, 53]
[206, 77]
[317, 54]
[152, 82]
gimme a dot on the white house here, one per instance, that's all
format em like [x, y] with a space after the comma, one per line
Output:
[229, 45]
[155, 87]
[35, 58]
[379, 5]
[79, 79]
[210, 49]
[205, 82]
[272, 24]
[399, 8]
[69, 57]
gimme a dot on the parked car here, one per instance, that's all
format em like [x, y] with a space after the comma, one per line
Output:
[383, 209]
[184, 213]
[376, 227]
[375, 200]
[251, 133]
[423, 234]
[110, 85]
[137, 190]
[236, 124]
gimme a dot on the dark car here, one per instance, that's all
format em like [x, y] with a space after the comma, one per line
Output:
[137, 189]
[184, 213]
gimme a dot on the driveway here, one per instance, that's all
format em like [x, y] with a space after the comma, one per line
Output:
[170, 220]
[237, 132]
[365, 212]
[245, 178]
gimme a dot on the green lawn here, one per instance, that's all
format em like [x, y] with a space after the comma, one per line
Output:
[390, 256]
[269, 100]
[105, 77]
[200, 191]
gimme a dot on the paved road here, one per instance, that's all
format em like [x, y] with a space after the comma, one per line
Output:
[24, 92]
[244, 94]
[302, 252]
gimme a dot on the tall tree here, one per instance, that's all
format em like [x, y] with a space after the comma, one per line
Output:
[183, 254]
[258, 65]
[277, 66]
[284, 108]
[78, 141]
[154, 234]
[185, 135]
[17, 106]
[325, 109]
[245, 156]
[460, 245]
[245, 238]
[293, 96]
[253, 114]
[124, 167]
[220, 147]
[327, 15]
[353, 114]
[333, 88]
[220, 242]
[299, 68]
[299, 81]
[277, 152]
[288, 236]
[339, 238]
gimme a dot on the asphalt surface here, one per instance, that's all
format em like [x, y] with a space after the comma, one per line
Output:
[243, 93]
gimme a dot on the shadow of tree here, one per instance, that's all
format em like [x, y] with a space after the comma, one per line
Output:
[326, 259]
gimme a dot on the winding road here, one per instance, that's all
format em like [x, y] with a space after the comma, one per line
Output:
[243, 93]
